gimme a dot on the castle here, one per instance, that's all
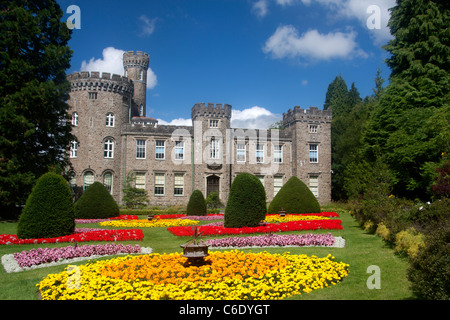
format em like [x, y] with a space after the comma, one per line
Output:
[114, 137]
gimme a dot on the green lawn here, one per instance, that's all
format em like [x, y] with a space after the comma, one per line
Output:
[362, 251]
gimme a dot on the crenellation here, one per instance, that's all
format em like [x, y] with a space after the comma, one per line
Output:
[306, 115]
[211, 110]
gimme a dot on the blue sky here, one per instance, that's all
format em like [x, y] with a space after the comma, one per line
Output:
[260, 56]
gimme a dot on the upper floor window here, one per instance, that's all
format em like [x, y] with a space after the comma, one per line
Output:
[141, 75]
[259, 153]
[213, 123]
[108, 150]
[179, 150]
[73, 149]
[75, 119]
[313, 153]
[214, 149]
[278, 154]
[312, 128]
[160, 149]
[240, 152]
[110, 119]
[140, 149]
[92, 95]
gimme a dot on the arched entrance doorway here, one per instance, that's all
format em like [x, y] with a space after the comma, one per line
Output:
[212, 184]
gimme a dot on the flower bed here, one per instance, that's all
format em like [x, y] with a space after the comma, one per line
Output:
[293, 217]
[272, 227]
[268, 240]
[184, 216]
[103, 235]
[149, 223]
[121, 217]
[229, 275]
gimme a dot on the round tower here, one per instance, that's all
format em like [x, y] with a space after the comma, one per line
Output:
[135, 67]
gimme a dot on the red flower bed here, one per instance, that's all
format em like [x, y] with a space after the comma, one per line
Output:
[180, 215]
[273, 227]
[103, 235]
[321, 214]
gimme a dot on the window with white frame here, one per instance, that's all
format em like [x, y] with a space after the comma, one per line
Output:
[214, 149]
[313, 153]
[314, 185]
[240, 152]
[261, 178]
[259, 153]
[140, 149]
[277, 184]
[73, 149]
[213, 123]
[179, 150]
[108, 181]
[110, 119]
[75, 119]
[108, 149]
[88, 179]
[139, 181]
[277, 153]
[160, 149]
[179, 184]
[159, 184]
[313, 128]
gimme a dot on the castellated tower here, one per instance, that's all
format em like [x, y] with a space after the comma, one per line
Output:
[135, 67]
[99, 105]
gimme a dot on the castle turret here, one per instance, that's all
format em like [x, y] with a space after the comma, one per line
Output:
[135, 67]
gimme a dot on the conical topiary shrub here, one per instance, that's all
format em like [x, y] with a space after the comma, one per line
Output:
[197, 204]
[96, 203]
[294, 197]
[49, 210]
[246, 206]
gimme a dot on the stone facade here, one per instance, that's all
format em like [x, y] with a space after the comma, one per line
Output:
[114, 137]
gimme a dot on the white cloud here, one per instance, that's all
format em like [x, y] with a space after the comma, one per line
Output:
[312, 45]
[147, 26]
[285, 2]
[260, 8]
[253, 118]
[112, 62]
[176, 122]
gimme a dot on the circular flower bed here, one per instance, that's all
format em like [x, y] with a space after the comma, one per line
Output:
[149, 223]
[229, 275]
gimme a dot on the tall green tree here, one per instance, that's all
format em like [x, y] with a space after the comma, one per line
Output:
[401, 126]
[34, 129]
[337, 96]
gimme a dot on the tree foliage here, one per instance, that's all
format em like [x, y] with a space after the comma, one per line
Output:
[34, 131]
[134, 198]
[197, 204]
[96, 203]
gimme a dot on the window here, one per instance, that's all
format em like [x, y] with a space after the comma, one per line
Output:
[277, 184]
[107, 181]
[88, 179]
[312, 128]
[159, 184]
[278, 154]
[179, 150]
[92, 95]
[261, 178]
[108, 150]
[179, 184]
[141, 75]
[72, 180]
[110, 119]
[160, 149]
[75, 119]
[213, 123]
[214, 149]
[140, 149]
[73, 149]
[259, 153]
[140, 180]
[240, 152]
[314, 185]
[313, 153]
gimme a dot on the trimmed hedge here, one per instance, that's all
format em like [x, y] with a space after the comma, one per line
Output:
[294, 197]
[96, 203]
[246, 206]
[49, 210]
[196, 205]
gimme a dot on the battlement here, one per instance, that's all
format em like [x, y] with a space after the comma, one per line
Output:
[313, 114]
[92, 81]
[140, 59]
[211, 110]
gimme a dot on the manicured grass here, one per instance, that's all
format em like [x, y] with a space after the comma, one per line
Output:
[362, 251]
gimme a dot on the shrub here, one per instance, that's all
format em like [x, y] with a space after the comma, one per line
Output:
[409, 241]
[246, 206]
[213, 201]
[429, 272]
[196, 205]
[383, 232]
[96, 203]
[294, 197]
[49, 210]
